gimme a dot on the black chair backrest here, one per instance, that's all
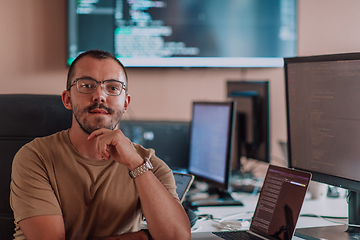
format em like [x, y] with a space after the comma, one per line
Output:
[23, 118]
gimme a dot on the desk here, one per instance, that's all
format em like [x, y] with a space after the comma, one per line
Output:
[327, 207]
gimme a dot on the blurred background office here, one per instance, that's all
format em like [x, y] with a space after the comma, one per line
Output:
[33, 48]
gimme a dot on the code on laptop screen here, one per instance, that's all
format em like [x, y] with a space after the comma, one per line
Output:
[280, 202]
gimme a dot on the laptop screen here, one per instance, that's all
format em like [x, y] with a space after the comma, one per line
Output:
[280, 202]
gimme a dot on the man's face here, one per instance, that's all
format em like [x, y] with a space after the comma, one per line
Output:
[98, 110]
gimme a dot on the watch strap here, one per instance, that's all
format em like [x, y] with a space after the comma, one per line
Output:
[141, 169]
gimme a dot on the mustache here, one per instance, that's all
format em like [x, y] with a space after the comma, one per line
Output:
[99, 106]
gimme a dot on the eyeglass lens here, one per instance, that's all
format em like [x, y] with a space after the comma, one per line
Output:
[111, 87]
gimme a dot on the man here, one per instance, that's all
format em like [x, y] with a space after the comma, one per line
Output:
[90, 181]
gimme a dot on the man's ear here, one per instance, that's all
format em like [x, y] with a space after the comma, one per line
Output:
[127, 102]
[66, 99]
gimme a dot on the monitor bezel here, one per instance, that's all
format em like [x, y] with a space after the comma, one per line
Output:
[346, 183]
[212, 183]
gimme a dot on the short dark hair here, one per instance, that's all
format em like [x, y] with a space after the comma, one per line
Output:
[98, 54]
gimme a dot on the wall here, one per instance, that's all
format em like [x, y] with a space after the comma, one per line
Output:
[33, 47]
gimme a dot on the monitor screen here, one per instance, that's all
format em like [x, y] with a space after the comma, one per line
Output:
[186, 33]
[210, 142]
[323, 120]
[251, 134]
[169, 139]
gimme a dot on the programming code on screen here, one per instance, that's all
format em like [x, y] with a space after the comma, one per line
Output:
[324, 116]
[146, 29]
[278, 189]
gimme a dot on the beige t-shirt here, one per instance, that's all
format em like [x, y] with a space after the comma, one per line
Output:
[95, 198]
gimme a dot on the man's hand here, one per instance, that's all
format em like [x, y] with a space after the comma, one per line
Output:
[113, 143]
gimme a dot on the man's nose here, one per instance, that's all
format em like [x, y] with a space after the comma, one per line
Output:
[99, 94]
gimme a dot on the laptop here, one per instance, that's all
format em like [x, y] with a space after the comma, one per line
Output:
[277, 210]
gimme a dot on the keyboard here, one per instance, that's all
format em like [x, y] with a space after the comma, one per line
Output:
[236, 235]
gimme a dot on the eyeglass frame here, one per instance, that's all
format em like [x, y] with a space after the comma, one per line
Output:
[97, 83]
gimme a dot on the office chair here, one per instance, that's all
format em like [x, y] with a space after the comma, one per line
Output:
[24, 117]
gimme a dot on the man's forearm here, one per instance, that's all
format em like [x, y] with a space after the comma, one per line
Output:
[165, 217]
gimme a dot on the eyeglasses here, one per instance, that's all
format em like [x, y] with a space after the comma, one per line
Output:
[88, 85]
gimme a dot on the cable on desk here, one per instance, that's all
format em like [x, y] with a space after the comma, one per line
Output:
[223, 224]
[218, 222]
[327, 218]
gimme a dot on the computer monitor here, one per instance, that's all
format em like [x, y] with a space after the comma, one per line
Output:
[186, 33]
[322, 96]
[251, 134]
[210, 147]
[169, 139]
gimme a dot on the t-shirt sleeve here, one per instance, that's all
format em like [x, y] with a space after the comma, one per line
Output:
[31, 192]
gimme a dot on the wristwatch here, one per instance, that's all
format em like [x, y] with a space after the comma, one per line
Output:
[141, 169]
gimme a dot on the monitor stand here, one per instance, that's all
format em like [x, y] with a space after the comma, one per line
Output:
[338, 232]
[224, 198]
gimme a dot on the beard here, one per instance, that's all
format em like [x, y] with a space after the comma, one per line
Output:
[97, 122]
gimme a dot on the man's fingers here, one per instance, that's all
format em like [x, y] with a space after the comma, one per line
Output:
[108, 142]
[96, 133]
[103, 143]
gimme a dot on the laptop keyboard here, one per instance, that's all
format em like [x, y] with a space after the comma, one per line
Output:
[236, 235]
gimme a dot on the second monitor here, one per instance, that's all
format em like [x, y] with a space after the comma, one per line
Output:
[210, 149]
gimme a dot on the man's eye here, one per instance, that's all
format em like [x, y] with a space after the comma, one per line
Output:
[86, 85]
[114, 88]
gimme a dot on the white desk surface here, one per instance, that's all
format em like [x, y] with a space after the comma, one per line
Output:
[327, 207]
